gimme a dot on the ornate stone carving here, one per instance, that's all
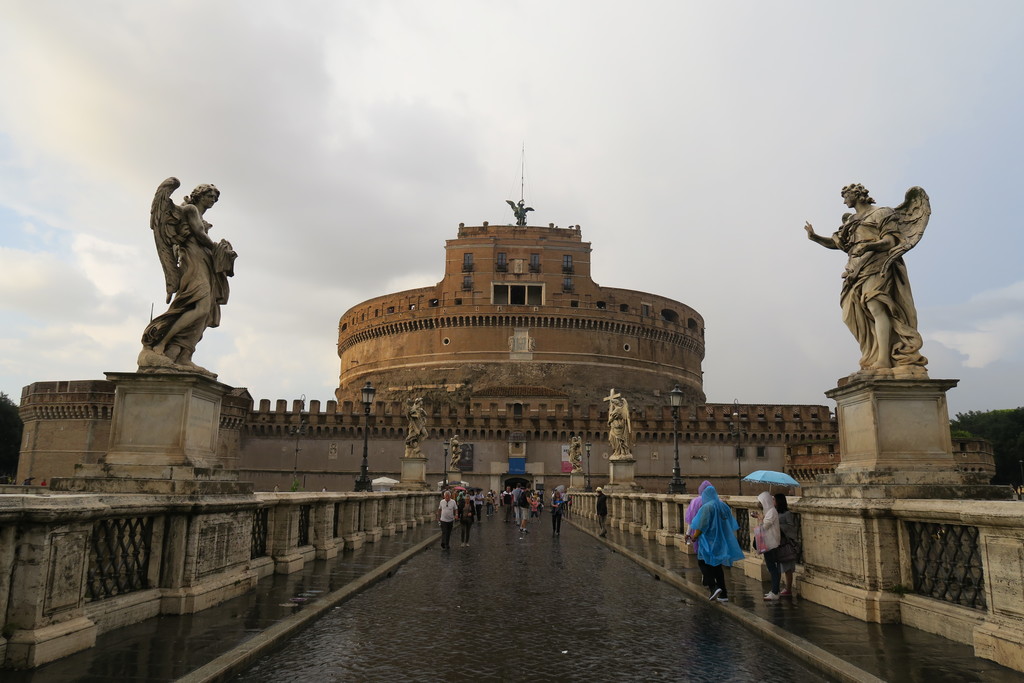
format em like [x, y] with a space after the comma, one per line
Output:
[453, 465]
[196, 270]
[576, 453]
[876, 299]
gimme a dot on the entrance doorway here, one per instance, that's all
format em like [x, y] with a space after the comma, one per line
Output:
[514, 482]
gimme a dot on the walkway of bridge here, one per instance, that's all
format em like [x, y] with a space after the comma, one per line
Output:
[251, 631]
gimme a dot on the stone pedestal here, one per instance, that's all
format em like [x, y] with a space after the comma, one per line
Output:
[577, 481]
[414, 475]
[895, 441]
[163, 439]
[622, 475]
[454, 477]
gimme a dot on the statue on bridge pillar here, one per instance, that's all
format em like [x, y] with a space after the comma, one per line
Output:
[620, 431]
[576, 453]
[417, 430]
[877, 303]
[196, 271]
[453, 465]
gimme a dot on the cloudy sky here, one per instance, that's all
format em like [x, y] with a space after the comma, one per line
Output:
[689, 140]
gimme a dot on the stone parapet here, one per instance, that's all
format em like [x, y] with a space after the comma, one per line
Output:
[73, 566]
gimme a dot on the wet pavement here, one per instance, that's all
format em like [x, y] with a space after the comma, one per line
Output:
[536, 606]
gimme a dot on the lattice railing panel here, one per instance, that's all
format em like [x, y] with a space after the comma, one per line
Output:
[119, 551]
[260, 528]
[946, 563]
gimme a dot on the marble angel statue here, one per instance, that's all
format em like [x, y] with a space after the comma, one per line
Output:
[196, 271]
[876, 300]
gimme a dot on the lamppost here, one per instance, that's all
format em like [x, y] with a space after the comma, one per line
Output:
[675, 399]
[363, 482]
[444, 465]
[298, 431]
[736, 432]
[588, 488]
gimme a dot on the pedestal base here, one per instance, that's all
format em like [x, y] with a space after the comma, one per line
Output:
[907, 485]
[414, 475]
[622, 476]
[577, 481]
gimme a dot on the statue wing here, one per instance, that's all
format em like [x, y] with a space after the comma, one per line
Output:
[911, 218]
[164, 218]
[528, 208]
[512, 204]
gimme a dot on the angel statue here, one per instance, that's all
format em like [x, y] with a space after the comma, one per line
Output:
[453, 464]
[576, 453]
[877, 303]
[620, 430]
[196, 272]
[417, 428]
[519, 210]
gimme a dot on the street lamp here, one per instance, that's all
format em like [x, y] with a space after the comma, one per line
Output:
[444, 465]
[363, 482]
[675, 399]
[588, 488]
[736, 432]
[298, 431]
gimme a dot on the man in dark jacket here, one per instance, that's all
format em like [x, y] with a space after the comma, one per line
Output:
[602, 510]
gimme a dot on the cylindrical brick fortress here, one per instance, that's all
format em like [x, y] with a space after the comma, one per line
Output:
[518, 313]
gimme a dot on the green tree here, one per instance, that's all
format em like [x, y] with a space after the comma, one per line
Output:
[10, 435]
[1005, 429]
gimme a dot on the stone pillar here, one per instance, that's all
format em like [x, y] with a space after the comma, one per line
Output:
[577, 481]
[372, 517]
[354, 536]
[284, 537]
[414, 475]
[322, 530]
[45, 616]
[622, 474]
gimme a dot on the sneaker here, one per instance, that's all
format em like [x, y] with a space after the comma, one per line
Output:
[771, 596]
[715, 594]
[786, 593]
[722, 599]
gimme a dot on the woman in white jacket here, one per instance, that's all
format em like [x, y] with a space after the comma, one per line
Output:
[772, 536]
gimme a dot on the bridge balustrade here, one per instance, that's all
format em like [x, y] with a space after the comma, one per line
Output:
[73, 566]
[952, 567]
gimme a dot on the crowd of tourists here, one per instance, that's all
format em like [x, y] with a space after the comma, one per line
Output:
[519, 506]
[711, 528]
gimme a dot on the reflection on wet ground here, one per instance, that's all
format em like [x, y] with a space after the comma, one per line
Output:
[538, 606]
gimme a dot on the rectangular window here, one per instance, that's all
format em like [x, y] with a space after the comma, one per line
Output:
[534, 263]
[645, 309]
[567, 263]
[534, 295]
[517, 295]
[500, 296]
[761, 452]
[502, 262]
[566, 284]
[467, 283]
[467, 263]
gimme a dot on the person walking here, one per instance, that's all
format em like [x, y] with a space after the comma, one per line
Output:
[489, 501]
[557, 503]
[535, 504]
[789, 550]
[602, 510]
[465, 513]
[478, 502]
[714, 534]
[523, 508]
[768, 523]
[446, 517]
[506, 502]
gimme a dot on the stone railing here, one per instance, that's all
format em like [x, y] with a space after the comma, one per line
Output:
[73, 566]
[951, 567]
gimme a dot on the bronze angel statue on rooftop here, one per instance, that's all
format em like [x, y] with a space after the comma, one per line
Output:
[877, 303]
[196, 270]
[519, 210]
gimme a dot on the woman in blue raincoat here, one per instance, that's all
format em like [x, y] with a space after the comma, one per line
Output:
[714, 533]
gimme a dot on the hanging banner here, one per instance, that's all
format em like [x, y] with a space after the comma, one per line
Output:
[566, 463]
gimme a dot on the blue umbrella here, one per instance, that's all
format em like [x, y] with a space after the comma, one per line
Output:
[771, 477]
